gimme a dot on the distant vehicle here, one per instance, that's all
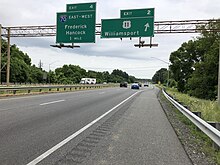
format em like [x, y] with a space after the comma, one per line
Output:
[135, 86]
[138, 83]
[124, 84]
[146, 85]
[88, 81]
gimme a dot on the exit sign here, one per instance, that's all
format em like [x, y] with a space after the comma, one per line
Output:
[127, 27]
[76, 27]
[135, 13]
[80, 7]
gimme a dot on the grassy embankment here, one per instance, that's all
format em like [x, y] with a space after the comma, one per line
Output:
[209, 109]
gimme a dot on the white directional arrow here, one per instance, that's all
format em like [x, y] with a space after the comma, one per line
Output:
[146, 26]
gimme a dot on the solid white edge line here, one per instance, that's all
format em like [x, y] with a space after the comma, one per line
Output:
[50, 151]
[52, 102]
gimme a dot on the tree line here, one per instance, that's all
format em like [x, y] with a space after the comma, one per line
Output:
[194, 66]
[22, 71]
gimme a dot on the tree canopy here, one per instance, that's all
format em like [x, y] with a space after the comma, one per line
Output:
[194, 65]
[22, 71]
[160, 76]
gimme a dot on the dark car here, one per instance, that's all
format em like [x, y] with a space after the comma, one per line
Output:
[135, 86]
[124, 84]
[146, 85]
[138, 83]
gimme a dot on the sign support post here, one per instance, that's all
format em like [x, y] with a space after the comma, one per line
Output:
[0, 54]
[8, 59]
[219, 77]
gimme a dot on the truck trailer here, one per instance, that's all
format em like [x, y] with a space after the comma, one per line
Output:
[88, 81]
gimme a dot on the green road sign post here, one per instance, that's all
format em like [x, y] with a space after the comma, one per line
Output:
[80, 7]
[135, 13]
[127, 27]
[77, 25]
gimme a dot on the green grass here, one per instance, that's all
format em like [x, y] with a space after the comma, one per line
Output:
[209, 109]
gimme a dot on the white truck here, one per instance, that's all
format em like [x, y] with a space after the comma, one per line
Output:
[88, 81]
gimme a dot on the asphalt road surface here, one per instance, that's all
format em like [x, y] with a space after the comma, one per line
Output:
[65, 125]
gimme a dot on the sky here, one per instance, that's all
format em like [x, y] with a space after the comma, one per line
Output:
[105, 54]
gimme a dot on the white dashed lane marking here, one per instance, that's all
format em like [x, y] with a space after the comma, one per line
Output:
[52, 102]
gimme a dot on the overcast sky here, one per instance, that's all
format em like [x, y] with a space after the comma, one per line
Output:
[105, 54]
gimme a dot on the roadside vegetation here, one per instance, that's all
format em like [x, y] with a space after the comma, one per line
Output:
[24, 72]
[194, 65]
[209, 109]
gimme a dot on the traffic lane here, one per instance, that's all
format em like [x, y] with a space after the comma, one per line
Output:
[20, 108]
[26, 101]
[39, 120]
[48, 125]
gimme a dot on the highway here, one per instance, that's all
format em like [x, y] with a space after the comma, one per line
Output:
[32, 125]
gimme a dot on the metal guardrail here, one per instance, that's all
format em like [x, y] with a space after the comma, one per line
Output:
[58, 87]
[209, 130]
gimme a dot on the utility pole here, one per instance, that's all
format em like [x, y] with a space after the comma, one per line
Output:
[40, 65]
[8, 59]
[219, 76]
[49, 71]
[0, 54]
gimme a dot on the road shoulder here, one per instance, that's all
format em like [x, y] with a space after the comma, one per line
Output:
[194, 146]
[143, 135]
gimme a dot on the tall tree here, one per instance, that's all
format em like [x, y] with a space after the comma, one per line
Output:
[70, 74]
[182, 62]
[160, 76]
[204, 80]
[119, 75]
[195, 64]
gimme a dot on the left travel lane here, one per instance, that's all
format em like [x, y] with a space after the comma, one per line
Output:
[29, 126]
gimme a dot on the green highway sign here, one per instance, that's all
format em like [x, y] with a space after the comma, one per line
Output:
[127, 27]
[80, 7]
[76, 27]
[134, 13]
